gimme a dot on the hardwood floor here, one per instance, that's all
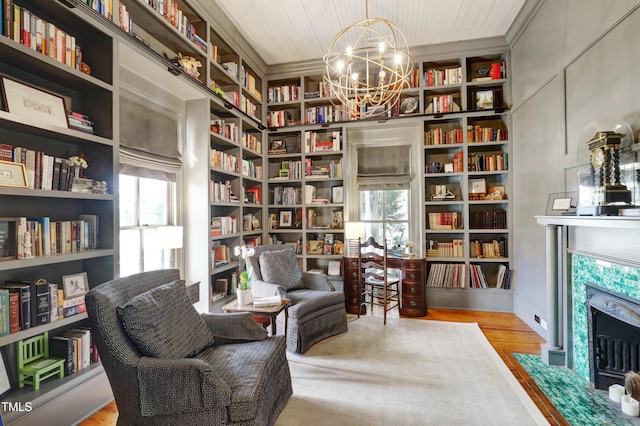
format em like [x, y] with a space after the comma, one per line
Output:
[506, 332]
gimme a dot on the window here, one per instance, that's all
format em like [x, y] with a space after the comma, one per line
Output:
[385, 213]
[145, 204]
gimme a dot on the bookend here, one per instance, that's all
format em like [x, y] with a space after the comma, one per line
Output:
[34, 364]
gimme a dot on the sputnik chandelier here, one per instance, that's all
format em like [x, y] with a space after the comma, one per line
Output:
[368, 66]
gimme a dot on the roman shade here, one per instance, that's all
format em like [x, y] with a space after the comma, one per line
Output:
[384, 167]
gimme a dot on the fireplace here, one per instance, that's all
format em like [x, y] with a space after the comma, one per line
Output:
[614, 335]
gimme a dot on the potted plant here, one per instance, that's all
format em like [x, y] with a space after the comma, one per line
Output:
[244, 289]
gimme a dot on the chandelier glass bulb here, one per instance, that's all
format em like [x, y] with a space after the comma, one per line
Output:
[358, 73]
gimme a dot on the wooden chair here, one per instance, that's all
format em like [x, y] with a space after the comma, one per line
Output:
[377, 288]
[34, 364]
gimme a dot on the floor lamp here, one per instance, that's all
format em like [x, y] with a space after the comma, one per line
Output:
[170, 237]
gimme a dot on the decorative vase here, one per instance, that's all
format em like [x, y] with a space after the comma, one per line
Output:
[244, 297]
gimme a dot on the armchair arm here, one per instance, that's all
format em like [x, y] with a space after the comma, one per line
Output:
[234, 327]
[172, 386]
[315, 281]
[260, 288]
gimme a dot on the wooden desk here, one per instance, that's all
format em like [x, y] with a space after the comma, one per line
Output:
[413, 301]
[261, 314]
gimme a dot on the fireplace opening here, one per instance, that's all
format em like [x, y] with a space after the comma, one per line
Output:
[614, 336]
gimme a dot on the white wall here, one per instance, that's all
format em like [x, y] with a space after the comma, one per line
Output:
[573, 63]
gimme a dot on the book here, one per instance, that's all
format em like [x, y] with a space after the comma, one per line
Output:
[53, 302]
[14, 311]
[63, 347]
[40, 303]
[4, 312]
[263, 302]
[23, 288]
[84, 357]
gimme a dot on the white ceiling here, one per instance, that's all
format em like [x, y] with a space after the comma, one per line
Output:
[285, 31]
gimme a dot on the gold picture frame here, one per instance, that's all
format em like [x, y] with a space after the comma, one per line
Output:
[13, 174]
[33, 104]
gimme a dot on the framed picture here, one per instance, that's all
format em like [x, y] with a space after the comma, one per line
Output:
[277, 146]
[562, 203]
[8, 238]
[316, 246]
[337, 194]
[33, 104]
[6, 383]
[13, 174]
[478, 186]
[337, 220]
[484, 99]
[286, 219]
[75, 285]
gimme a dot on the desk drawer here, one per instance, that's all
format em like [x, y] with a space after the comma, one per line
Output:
[412, 289]
[413, 276]
[412, 302]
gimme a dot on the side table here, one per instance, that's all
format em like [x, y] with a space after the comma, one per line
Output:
[261, 314]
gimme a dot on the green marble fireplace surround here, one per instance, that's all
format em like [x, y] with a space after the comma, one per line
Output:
[619, 278]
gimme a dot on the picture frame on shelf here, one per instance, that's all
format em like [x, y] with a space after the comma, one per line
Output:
[277, 146]
[33, 104]
[6, 380]
[337, 194]
[337, 219]
[75, 285]
[478, 186]
[562, 204]
[316, 246]
[13, 174]
[484, 99]
[286, 219]
[8, 238]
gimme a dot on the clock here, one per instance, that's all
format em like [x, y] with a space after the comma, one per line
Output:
[597, 158]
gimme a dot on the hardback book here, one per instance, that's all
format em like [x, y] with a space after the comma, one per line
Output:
[14, 311]
[40, 303]
[23, 288]
[4, 312]
[62, 347]
[85, 345]
[53, 302]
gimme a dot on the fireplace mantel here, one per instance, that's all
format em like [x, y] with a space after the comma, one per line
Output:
[617, 222]
[605, 237]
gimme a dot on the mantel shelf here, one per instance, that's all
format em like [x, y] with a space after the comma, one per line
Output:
[613, 222]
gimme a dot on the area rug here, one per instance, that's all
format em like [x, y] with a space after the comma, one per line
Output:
[572, 395]
[409, 372]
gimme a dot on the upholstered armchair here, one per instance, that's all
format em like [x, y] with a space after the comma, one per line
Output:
[316, 310]
[169, 365]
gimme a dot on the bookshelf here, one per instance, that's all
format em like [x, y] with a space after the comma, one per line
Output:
[93, 95]
[467, 189]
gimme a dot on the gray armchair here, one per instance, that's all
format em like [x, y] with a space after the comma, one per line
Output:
[169, 365]
[316, 310]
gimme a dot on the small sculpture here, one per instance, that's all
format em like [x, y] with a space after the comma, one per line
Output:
[26, 245]
[99, 187]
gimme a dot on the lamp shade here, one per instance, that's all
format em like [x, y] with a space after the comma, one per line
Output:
[354, 230]
[170, 237]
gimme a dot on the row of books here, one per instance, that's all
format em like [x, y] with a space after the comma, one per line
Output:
[476, 133]
[443, 220]
[23, 26]
[224, 161]
[284, 93]
[479, 279]
[250, 82]
[455, 248]
[442, 104]
[488, 162]
[77, 347]
[325, 114]
[450, 275]
[440, 136]
[488, 219]
[248, 107]
[281, 118]
[180, 20]
[103, 7]
[323, 168]
[286, 145]
[250, 169]
[322, 141]
[43, 171]
[223, 225]
[221, 192]
[251, 141]
[26, 304]
[220, 255]
[443, 76]
[286, 195]
[290, 169]
[488, 249]
[39, 236]
[81, 122]
[227, 129]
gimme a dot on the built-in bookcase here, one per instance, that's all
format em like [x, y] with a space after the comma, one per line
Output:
[91, 95]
